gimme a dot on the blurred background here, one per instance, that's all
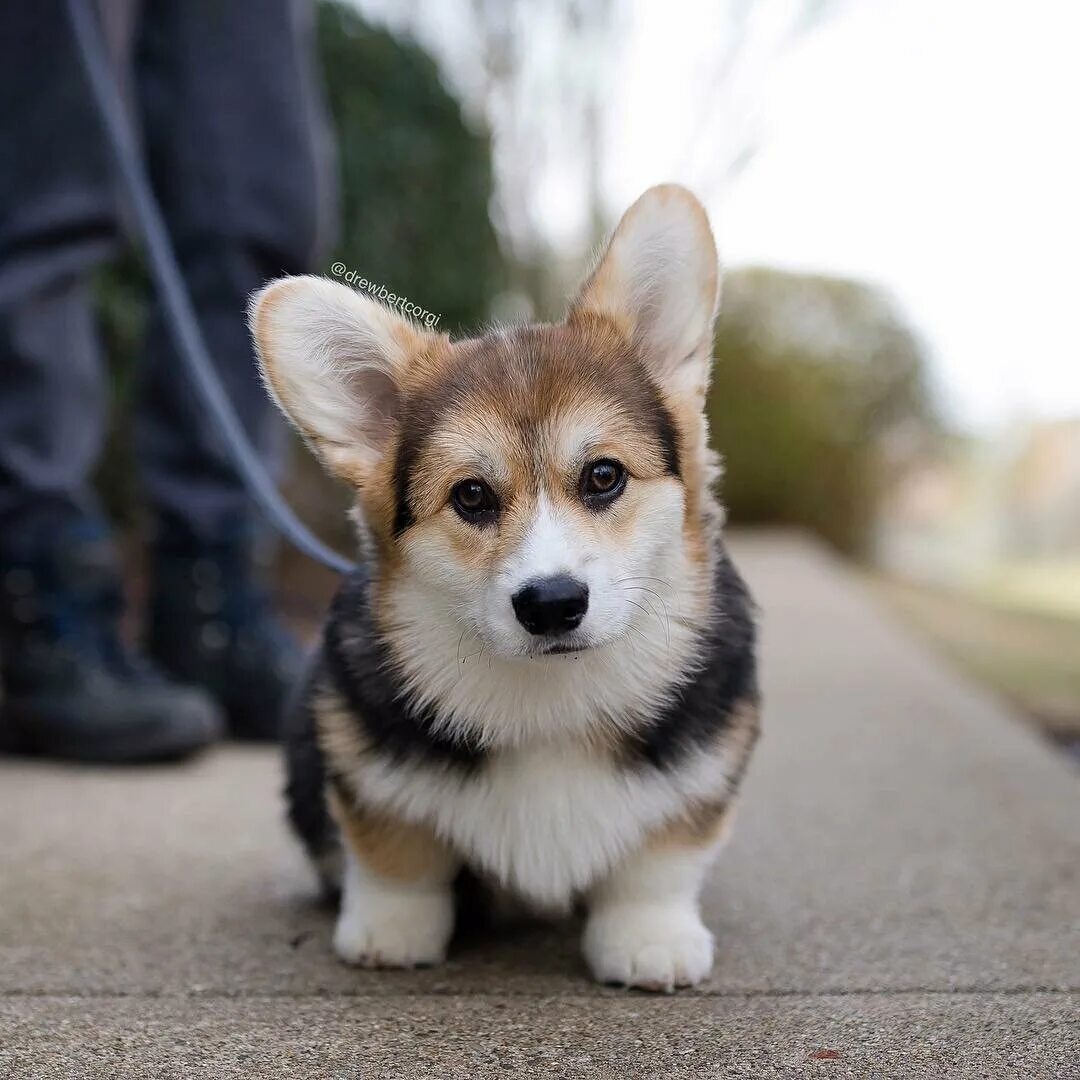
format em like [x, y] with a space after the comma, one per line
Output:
[893, 186]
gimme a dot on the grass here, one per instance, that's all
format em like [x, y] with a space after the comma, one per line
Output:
[1029, 656]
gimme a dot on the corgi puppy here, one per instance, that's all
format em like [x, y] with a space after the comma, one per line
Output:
[543, 674]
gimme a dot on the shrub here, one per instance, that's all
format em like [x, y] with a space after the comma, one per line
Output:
[816, 381]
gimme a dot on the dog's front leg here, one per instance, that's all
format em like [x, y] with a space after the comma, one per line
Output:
[644, 927]
[397, 902]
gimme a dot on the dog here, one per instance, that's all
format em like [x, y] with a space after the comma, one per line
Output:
[544, 674]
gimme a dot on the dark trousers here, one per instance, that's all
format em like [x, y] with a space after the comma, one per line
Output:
[225, 97]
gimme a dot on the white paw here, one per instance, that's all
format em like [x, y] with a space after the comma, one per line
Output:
[650, 946]
[395, 929]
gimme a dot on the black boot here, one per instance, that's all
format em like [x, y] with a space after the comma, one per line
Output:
[211, 624]
[70, 688]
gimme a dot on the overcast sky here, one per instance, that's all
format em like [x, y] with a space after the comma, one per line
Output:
[933, 146]
[927, 145]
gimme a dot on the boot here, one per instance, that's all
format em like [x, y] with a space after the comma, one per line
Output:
[69, 687]
[210, 624]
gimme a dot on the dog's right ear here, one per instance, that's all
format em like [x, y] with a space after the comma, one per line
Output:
[333, 360]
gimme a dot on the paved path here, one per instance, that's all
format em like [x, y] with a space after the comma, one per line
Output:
[902, 892]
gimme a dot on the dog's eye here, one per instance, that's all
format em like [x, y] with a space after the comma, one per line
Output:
[474, 500]
[602, 482]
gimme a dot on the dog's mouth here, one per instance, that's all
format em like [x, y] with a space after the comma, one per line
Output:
[570, 645]
[563, 649]
[573, 645]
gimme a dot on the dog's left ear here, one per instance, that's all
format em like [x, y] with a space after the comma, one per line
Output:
[659, 282]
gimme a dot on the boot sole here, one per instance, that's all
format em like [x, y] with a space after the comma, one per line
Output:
[22, 734]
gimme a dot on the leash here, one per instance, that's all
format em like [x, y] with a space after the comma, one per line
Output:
[172, 293]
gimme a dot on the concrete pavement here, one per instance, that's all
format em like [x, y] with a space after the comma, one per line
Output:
[901, 899]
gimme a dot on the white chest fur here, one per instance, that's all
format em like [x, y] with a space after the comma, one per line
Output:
[545, 821]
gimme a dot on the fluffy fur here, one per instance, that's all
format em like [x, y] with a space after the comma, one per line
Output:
[438, 732]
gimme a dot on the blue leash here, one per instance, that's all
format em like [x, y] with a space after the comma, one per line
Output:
[176, 303]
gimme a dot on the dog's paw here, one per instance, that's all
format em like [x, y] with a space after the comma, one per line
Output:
[649, 946]
[395, 929]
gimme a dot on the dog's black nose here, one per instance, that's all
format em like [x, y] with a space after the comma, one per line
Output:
[551, 605]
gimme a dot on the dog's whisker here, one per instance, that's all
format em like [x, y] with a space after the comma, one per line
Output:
[483, 646]
[667, 614]
[646, 577]
[651, 592]
[638, 632]
[665, 620]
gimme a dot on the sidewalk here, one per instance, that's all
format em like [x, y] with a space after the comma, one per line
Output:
[903, 890]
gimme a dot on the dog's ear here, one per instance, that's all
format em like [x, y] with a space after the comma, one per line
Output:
[333, 360]
[659, 282]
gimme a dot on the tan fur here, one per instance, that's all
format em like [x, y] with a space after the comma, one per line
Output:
[340, 736]
[429, 357]
[393, 849]
[703, 824]
[706, 822]
[740, 735]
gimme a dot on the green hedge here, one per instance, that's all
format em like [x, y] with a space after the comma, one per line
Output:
[817, 382]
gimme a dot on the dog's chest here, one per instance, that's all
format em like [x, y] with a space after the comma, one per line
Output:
[545, 822]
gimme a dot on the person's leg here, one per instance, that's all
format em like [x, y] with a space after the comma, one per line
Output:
[67, 689]
[235, 144]
[57, 221]
[240, 158]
